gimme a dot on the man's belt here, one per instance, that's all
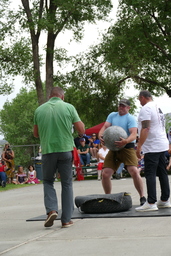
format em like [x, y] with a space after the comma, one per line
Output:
[130, 145]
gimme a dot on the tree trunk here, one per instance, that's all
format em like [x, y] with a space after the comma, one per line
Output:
[35, 50]
[49, 63]
[37, 77]
[50, 47]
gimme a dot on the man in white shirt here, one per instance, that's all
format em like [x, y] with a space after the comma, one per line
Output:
[154, 143]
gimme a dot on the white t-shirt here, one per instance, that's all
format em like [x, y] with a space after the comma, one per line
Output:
[157, 140]
[103, 153]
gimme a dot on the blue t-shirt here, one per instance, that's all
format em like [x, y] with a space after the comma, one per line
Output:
[126, 121]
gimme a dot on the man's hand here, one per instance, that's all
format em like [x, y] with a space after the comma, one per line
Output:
[121, 143]
[102, 140]
[138, 152]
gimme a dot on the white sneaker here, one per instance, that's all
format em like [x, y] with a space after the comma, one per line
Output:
[147, 207]
[164, 204]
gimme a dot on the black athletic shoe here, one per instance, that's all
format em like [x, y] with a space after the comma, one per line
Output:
[3, 184]
[142, 200]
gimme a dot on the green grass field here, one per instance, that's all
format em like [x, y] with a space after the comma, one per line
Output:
[13, 186]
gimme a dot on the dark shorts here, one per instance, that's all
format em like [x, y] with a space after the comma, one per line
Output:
[115, 158]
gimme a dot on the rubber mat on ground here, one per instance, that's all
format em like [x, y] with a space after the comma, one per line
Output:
[131, 213]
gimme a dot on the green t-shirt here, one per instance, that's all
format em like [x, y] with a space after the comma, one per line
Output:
[83, 149]
[54, 119]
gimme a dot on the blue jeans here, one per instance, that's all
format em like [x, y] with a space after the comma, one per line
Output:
[155, 165]
[62, 162]
[119, 170]
[3, 176]
[84, 158]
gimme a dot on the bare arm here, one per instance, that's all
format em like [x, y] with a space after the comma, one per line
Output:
[35, 131]
[101, 156]
[143, 136]
[104, 127]
[11, 154]
[35, 174]
[3, 156]
[83, 152]
[79, 127]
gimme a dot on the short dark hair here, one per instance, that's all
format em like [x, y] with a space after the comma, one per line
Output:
[145, 94]
[30, 166]
[56, 92]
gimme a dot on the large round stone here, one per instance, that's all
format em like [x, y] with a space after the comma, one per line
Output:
[112, 134]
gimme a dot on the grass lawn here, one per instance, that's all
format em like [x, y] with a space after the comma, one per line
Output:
[93, 177]
[13, 186]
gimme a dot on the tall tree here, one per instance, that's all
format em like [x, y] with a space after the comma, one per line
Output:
[48, 17]
[138, 45]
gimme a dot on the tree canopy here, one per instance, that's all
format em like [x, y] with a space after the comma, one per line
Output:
[21, 31]
[95, 90]
[138, 45]
[135, 50]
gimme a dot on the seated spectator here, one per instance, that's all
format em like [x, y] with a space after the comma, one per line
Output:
[101, 155]
[21, 177]
[77, 140]
[3, 177]
[94, 144]
[83, 152]
[32, 176]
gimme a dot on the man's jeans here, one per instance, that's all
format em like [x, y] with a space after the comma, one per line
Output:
[61, 162]
[119, 170]
[84, 158]
[155, 165]
[3, 176]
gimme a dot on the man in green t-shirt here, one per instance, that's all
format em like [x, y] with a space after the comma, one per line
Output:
[53, 123]
[83, 151]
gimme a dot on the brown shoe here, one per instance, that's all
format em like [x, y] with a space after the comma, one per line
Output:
[50, 219]
[68, 224]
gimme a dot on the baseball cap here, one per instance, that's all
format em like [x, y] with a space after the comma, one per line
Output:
[82, 139]
[125, 102]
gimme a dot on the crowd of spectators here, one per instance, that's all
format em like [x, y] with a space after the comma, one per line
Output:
[8, 174]
[89, 150]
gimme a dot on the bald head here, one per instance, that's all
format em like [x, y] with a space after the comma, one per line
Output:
[57, 92]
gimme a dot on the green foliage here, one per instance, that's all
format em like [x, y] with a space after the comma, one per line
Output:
[25, 57]
[93, 88]
[17, 125]
[138, 45]
[168, 122]
[16, 59]
[13, 186]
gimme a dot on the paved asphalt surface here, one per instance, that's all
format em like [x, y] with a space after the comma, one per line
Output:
[131, 236]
